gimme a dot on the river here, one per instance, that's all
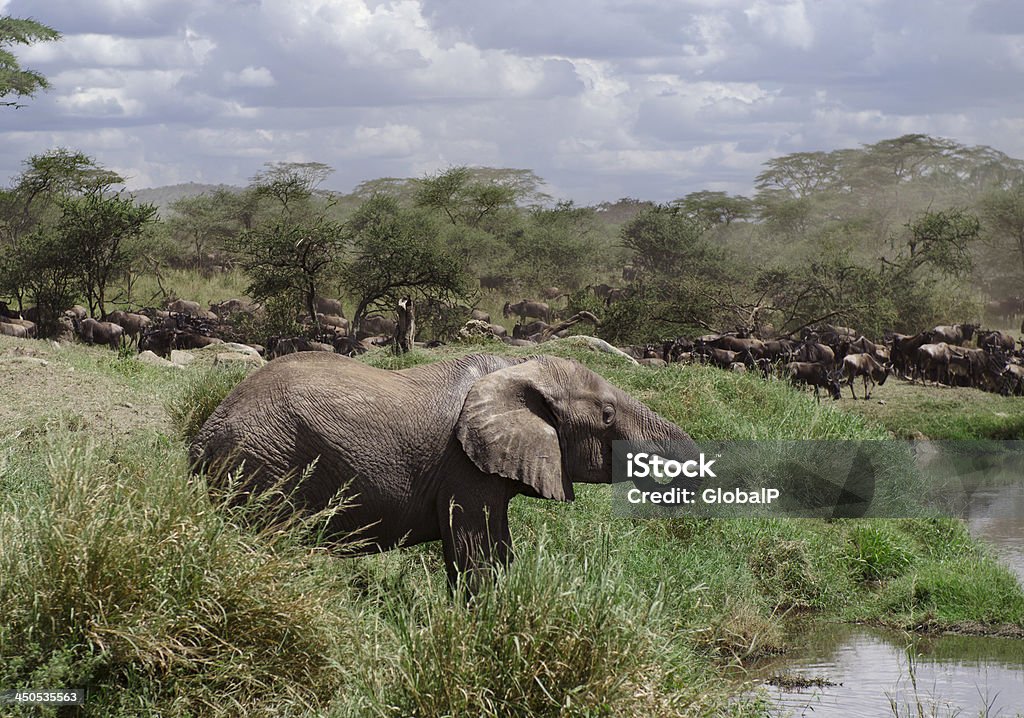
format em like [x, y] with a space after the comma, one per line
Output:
[869, 672]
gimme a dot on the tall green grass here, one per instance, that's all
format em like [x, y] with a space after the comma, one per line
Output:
[120, 573]
[121, 576]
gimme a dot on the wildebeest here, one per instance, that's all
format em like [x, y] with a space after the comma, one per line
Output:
[932, 360]
[13, 330]
[739, 345]
[865, 365]
[993, 340]
[816, 352]
[133, 324]
[525, 309]
[722, 358]
[904, 351]
[815, 374]
[952, 333]
[279, 346]
[184, 306]
[94, 332]
[326, 305]
[28, 326]
[673, 349]
[376, 325]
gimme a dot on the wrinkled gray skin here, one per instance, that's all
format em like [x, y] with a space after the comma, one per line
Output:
[434, 452]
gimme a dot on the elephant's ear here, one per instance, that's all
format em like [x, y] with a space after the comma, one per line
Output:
[507, 427]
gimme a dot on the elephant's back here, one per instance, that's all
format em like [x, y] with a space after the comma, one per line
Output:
[314, 405]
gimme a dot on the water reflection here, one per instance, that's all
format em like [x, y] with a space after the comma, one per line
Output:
[995, 514]
[882, 673]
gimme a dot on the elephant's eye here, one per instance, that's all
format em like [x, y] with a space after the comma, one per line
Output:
[608, 414]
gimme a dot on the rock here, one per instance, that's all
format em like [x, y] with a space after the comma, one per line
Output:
[181, 357]
[30, 361]
[148, 357]
[230, 347]
[236, 358]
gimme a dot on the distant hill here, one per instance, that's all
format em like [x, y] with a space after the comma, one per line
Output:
[164, 197]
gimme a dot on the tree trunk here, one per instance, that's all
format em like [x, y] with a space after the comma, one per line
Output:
[405, 334]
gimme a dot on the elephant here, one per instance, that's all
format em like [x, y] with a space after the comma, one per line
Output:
[435, 452]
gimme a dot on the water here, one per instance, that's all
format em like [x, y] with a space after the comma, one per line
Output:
[996, 515]
[886, 673]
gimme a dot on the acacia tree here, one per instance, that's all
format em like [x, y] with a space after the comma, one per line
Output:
[398, 253]
[1003, 212]
[290, 184]
[289, 261]
[15, 80]
[556, 247]
[104, 232]
[32, 205]
[206, 220]
[715, 208]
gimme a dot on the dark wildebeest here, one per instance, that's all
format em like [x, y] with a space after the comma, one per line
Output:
[816, 352]
[280, 346]
[904, 351]
[184, 306]
[28, 326]
[133, 324]
[995, 340]
[526, 309]
[722, 358]
[815, 374]
[865, 365]
[672, 349]
[94, 332]
[522, 331]
[952, 333]
[739, 345]
[7, 328]
[932, 359]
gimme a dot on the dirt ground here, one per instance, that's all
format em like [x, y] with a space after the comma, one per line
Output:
[80, 387]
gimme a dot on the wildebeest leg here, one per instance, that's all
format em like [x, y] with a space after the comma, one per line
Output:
[852, 392]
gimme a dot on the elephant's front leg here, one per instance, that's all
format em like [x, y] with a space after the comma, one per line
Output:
[475, 530]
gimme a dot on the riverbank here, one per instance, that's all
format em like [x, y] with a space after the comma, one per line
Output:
[121, 578]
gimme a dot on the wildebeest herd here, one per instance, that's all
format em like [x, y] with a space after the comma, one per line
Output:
[824, 357]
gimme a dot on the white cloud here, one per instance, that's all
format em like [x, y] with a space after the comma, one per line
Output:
[602, 98]
[250, 77]
[784, 21]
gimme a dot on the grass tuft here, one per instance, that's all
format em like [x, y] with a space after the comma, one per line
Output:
[203, 392]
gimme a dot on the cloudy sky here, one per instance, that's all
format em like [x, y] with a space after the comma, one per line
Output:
[602, 98]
